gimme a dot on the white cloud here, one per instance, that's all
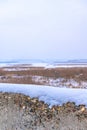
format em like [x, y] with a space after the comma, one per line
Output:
[41, 7]
[35, 22]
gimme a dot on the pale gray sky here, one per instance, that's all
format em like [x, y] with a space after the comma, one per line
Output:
[43, 29]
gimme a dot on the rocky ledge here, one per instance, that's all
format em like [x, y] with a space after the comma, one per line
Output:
[20, 112]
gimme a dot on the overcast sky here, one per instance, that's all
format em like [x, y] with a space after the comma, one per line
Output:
[43, 29]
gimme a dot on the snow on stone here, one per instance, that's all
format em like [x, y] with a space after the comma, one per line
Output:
[50, 95]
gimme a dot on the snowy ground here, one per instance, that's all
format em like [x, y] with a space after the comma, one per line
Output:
[45, 65]
[59, 82]
[39, 65]
[50, 95]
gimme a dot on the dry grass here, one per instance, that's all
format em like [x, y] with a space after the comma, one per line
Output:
[78, 74]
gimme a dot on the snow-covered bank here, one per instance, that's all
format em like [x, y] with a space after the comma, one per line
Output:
[50, 95]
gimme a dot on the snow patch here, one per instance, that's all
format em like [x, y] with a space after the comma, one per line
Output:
[50, 95]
